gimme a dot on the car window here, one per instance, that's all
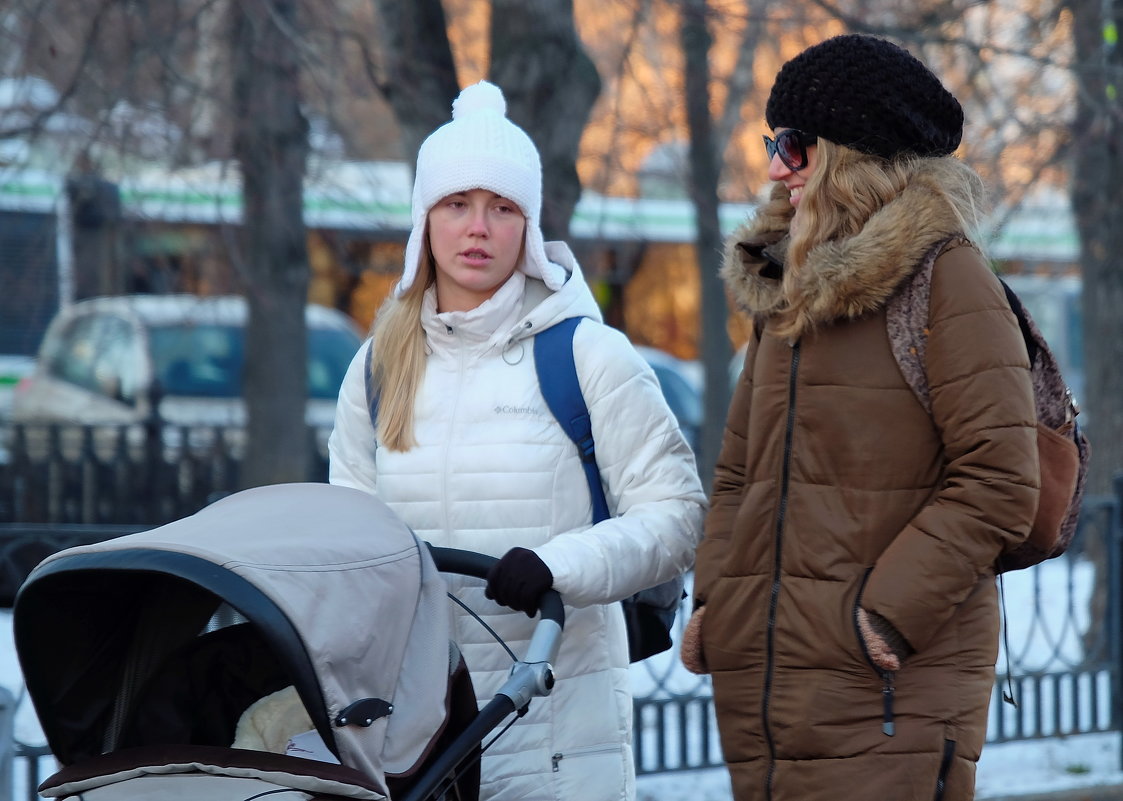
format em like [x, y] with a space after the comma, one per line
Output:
[117, 363]
[329, 355]
[97, 352]
[208, 360]
[70, 357]
[198, 360]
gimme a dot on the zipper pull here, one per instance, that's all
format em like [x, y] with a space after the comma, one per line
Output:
[555, 759]
[887, 726]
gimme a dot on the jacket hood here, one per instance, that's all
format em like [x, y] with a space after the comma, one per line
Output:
[543, 307]
[843, 278]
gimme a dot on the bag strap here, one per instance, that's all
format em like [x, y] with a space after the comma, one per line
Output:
[650, 613]
[906, 318]
[373, 391]
[1023, 320]
[557, 378]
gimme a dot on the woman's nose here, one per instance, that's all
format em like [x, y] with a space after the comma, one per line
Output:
[477, 222]
[777, 169]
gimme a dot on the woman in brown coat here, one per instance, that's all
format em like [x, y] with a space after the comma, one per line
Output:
[845, 588]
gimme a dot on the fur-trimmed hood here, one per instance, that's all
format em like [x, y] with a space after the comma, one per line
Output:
[842, 278]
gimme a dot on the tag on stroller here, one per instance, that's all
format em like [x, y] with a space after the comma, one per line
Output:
[309, 745]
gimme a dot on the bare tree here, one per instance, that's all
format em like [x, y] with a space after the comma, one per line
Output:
[271, 146]
[550, 84]
[704, 170]
[1097, 199]
[414, 68]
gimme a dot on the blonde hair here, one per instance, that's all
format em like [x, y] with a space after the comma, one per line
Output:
[848, 187]
[397, 358]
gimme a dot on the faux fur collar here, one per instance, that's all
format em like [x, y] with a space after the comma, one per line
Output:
[842, 279]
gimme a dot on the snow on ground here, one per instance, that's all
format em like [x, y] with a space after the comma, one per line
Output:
[1007, 769]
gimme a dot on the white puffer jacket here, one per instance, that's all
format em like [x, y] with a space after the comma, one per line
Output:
[493, 469]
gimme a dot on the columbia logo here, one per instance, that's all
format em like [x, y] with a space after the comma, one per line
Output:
[517, 410]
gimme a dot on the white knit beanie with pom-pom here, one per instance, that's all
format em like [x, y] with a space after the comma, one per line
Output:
[480, 149]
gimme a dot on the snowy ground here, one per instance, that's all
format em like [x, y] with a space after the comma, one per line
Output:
[1005, 770]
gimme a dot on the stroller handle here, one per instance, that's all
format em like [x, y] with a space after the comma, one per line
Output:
[470, 563]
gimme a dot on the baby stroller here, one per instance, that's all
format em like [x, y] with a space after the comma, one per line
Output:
[160, 663]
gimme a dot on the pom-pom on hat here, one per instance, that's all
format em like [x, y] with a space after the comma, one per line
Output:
[480, 149]
[867, 94]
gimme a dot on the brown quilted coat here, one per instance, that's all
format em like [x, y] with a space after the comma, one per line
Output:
[834, 488]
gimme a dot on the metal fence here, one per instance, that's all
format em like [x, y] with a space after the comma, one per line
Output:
[1060, 658]
[151, 473]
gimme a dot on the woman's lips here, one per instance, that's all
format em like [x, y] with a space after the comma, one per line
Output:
[475, 256]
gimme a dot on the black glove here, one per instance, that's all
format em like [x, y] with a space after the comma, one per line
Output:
[518, 580]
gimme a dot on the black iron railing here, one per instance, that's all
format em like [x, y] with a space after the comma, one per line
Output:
[150, 474]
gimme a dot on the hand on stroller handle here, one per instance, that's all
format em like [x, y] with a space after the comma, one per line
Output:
[470, 563]
[533, 675]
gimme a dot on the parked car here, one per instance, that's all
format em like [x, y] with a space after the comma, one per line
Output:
[101, 360]
[681, 382]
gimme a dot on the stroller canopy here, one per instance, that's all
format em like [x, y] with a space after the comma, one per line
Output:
[344, 596]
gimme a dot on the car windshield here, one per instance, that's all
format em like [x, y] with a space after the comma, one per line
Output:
[203, 360]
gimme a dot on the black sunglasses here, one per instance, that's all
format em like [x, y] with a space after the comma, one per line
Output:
[792, 146]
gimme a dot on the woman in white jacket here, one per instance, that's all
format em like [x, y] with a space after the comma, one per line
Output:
[468, 454]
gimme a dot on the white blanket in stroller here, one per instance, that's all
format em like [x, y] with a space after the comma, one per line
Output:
[279, 724]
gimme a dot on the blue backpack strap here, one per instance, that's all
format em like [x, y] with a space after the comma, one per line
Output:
[557, 378]
[373, 393]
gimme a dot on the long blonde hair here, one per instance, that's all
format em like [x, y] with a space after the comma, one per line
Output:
[848, 187]
[398, 357]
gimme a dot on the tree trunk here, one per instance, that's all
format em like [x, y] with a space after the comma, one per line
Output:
[271, 146]
[704, 172]
[551, 85]
[1097, 205]
[420, 75]
[1097, 202]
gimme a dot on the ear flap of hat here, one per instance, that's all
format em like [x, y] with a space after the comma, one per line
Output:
[535, 263]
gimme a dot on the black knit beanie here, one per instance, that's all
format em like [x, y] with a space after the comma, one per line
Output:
[867, 94]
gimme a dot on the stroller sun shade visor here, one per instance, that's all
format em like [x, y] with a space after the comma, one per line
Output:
[336, 597]
[131, 622]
